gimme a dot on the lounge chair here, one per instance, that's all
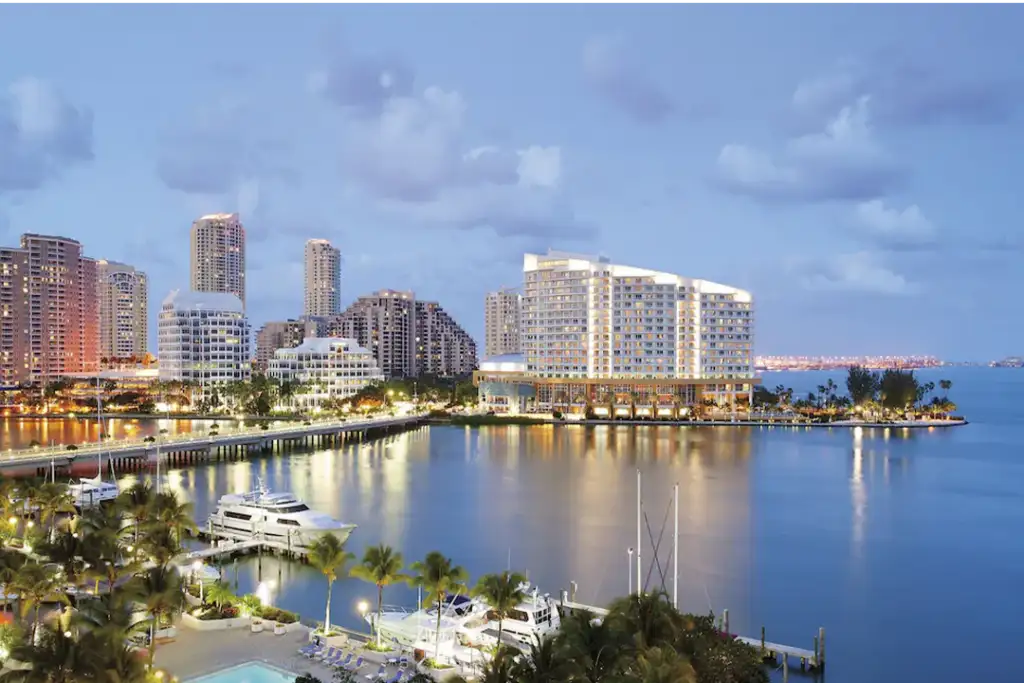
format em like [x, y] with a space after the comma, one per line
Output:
[311, 651]
[381, 674]
[397, 677]
[325, 654]
[357, 666]
[334, 658]
[345, 662]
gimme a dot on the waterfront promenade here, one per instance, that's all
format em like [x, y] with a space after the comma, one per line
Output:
[229, 439]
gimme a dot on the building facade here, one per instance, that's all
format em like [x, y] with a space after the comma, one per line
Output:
[123, 295]
[284, 334]
[502, 312]
[623, 340]
[443, 348]
[203, 337]
[406, 336]
[323, 279]
[14, 317]
[49, 308]
[330, 368]
[218, 255]
[384, 323]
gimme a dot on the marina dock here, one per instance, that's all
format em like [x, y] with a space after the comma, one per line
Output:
[226, 443]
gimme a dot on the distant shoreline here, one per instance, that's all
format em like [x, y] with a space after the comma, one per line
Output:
[162, 416]
[497, 421]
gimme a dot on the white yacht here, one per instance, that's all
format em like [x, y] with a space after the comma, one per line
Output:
[470, 622]
[280, 519]
[92, 491]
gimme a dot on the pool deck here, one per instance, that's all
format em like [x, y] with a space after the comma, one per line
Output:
[197, 653]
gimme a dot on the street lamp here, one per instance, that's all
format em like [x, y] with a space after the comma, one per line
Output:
[197, 567]
[630, 563]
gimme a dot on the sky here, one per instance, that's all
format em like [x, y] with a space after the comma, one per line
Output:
[856, 167]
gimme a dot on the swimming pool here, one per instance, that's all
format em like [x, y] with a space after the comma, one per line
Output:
[250, 672]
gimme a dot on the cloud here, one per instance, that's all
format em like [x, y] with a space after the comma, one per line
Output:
[362, 84]
[861, 271]
[609, 70]
[408, 150]
[41, 135]
[843, 162]
[893, 228]
[904, 94]
[217, 151]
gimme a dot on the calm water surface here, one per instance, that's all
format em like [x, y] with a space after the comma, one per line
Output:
[903, 544]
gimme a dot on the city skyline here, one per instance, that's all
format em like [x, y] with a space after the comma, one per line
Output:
[841, 194]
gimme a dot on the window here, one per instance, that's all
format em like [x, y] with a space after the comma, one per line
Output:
[237, 515]
[287, 522]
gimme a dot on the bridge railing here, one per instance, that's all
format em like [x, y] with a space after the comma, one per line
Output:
[112, 446]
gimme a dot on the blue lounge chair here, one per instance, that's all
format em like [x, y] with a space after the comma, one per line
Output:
[325, 654]
[311, 651]
[355, 667]
[345, 662]
[382, 673]
[397, 677]
[334, 658]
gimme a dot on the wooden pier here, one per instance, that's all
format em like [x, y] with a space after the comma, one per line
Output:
[775, 653]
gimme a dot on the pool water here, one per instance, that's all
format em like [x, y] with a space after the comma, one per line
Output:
[251, 672]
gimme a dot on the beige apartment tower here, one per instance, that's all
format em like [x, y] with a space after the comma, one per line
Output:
[123, 294]
[323, 279]
[218, 255]
[48, 310]
[502, 310]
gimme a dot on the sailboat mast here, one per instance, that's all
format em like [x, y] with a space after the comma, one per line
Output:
[99, 421]
[675, 552]
[639, 581]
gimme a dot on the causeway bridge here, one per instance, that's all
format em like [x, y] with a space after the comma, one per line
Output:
[228, 442]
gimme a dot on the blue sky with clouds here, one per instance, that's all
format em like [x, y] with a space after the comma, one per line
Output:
[857, 167]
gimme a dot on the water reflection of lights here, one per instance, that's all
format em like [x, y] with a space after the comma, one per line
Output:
[858, 492]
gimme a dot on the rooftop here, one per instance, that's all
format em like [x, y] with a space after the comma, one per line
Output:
[211, 301]
[326, 345]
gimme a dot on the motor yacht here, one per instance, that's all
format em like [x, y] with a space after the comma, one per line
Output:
[278, 519]
[468, 621]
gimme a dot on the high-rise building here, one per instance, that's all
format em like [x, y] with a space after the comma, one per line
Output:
[406, 336]
[55, 328]
[203, 337]
[123, 294]
[384, 323]
[443, 348]
[285, 334]
[598, 334]
[218, 255]
[502, 310]
[323, 279]
[14, 320]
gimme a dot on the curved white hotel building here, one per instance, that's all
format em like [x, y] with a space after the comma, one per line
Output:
[203, 337]
[330, 367]
[619, 338]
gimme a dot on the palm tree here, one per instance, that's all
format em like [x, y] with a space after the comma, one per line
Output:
[66, 550]
[381, 566]
[503, 592]
[328, 555]
[594, 647]
[110, 617]
[544, 663]
[220, 594]
[159, 588]
[661, 665]
[439, 577]
[136, 501]
[170, 513]
[53, 499]
[650, 617]
[56, 658]
[34, 584]
[160, 543]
